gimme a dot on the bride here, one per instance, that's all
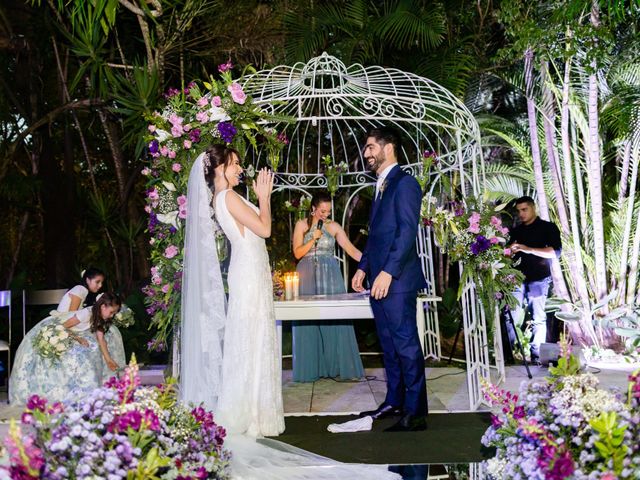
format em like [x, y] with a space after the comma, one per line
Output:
[229, 362]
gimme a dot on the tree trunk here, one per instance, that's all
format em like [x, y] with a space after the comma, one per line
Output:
[624, 173]
[594, 176]
[574, 254]
[543, 208]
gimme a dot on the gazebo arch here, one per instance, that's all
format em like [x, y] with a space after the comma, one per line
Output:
[333, 106]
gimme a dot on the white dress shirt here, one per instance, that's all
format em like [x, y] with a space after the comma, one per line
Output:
[382, 177]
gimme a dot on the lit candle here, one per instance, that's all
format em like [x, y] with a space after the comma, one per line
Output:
[288, 286]
[296, 285]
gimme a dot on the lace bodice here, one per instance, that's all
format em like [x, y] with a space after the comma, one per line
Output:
[326, 243]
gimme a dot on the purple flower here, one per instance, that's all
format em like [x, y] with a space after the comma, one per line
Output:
[194, 135]
[172, 92]
[481, 244]
[227, 131]
[153, 146]
[36, 402]
[225, 67]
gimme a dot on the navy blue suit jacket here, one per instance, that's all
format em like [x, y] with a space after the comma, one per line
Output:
[393, 229]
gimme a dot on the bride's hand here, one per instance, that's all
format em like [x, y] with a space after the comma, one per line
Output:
[263, 185]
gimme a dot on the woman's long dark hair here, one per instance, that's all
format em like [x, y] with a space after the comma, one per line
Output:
[319, 197]
[99, 324]
[88, 274]
[218, 155]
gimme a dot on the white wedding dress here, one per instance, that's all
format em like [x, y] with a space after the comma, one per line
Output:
[230, 362]
[250, 401]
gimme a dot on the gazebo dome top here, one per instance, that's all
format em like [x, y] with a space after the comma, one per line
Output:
[334, 105]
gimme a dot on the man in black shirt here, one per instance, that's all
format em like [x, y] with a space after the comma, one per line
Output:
[534, 242]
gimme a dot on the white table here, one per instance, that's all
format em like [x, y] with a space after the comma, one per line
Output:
[354, 306]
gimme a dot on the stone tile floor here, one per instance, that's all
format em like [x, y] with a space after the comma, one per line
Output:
[446, 386]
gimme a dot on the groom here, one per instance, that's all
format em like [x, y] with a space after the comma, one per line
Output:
[391, 262]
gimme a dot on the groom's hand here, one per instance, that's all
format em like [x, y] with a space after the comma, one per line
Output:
[381, 284]
[358, 280]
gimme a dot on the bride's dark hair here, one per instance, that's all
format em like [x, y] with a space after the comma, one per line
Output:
[218, 155]
[97, 322]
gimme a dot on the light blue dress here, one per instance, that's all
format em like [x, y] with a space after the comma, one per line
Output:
[78, 371]
[327, 348]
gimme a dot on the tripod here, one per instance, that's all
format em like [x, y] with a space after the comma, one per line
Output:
[507, 318]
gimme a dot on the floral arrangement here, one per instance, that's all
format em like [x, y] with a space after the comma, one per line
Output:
[278, 284]
[565, 428]
[119, 431]
[299, 206]
[52, 341]
[275, 144]
[475, 236]
[124, 318]
[333, 172]
[215, 111]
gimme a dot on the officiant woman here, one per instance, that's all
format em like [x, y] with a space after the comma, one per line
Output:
[323, 348]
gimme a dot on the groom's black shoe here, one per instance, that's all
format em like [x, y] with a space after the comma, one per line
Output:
[409, 423]
[383, 411]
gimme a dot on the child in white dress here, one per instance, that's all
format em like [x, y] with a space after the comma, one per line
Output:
[79, 369]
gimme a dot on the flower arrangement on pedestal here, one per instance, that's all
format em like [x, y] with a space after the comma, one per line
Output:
[299, 206]
[217, 111]
[474, 235]
[333, 172]
[565, 428]
[119, 431]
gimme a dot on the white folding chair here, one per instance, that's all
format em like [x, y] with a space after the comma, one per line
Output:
[39, 297]
[5, 345]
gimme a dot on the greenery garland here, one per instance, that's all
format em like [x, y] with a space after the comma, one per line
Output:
[217, 111]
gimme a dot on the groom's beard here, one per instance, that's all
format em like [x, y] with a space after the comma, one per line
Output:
[377, 161]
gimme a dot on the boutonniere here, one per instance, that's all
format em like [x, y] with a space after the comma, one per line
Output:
[383, 187]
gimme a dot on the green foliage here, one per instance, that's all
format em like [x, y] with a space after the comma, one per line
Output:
[611, 436]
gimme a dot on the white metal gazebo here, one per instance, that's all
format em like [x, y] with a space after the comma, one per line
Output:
[333, 106]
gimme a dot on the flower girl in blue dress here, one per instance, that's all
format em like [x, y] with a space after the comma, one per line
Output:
[65, 353]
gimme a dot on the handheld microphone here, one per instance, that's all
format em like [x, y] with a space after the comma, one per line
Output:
[318, 227]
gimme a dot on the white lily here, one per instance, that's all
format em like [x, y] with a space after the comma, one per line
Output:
[162, 135]
[218, 114]
[169, 186]
[170, 218]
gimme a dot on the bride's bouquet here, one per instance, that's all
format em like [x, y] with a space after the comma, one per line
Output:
[52, 341]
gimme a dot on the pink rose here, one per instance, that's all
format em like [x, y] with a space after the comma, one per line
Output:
[236, 93]
[156, 280]
[172, 154]
[182, 211]
[493, 240]
[152, 128]
[182, 200]
[164, 151]
[507, 252]
[216, 101]
[165, 288]
[474, 228]
[177, 131]
[495, 221]
[147, 208]
[171, 251]
[202, 117]
[176, 167]
[153, 195]
[187, 144]
[202, 102]
[504, 230]
[187, 127]
[175, 120]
